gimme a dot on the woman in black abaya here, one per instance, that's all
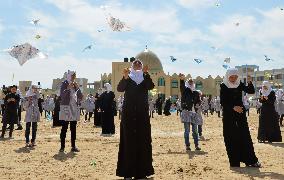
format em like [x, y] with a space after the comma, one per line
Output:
[135, 149]
[236, 133]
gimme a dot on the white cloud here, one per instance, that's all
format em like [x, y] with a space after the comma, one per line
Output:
[1, 26]
[196, 4]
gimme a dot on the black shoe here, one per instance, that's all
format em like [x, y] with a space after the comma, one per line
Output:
[140, 177]
[75, 149]
[20, 128]
[61, 150]
[197, 148]
[188, 148]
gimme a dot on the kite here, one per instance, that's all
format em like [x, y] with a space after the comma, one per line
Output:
[237, 24]
[88, 48]
[37, 36]
[117, 25]
[227, 60]
[214, 48]
[217, 4]
[35, 22]
[24, 52]
[198, 61]
[100, 30]
[281, 9]
[173, 59]
[267, 59]
[225, 66]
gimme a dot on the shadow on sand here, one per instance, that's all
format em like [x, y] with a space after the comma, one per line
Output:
[61, 156]
[255, 172]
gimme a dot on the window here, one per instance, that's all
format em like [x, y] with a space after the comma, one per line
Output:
[161, 81]
[260, 78]
[279, 76]
[174, 84]
[199, 85]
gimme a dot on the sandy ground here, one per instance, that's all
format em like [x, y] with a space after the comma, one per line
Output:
[171, 161]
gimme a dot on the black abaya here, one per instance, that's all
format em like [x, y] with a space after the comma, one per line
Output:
[135, 149]
[106, 106]
[269, 129]
[236, 133]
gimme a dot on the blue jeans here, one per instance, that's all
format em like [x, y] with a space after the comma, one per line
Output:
[187, 131]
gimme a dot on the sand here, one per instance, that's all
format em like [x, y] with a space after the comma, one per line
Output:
[171, 161]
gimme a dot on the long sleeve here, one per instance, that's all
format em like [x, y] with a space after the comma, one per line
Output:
[249, 88]
[64, 92]
[148, 81]
[271, 99]
[226, 103]
[182, 86]
[122, 85]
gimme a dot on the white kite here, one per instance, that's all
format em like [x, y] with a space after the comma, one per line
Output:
[116, 24]
[24, 52]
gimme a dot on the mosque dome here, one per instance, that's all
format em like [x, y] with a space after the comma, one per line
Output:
[151, 59]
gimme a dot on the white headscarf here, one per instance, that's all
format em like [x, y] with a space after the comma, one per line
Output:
[269, 89]
[69, 75]
[108, 87]
[30, 91]
[231, 72]
[190, 86]
[136, 75]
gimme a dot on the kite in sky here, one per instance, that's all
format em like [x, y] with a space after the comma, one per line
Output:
[173, 59]
[237, 24]
[88, 48]
[117, 25]
[198, 61]
[266, 58]
[227, 60]
[225, 66]
[37, 36]
[34, 22]
[24, 52]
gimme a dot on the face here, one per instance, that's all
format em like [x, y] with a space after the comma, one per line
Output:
[73, 77]
[190, 82]
[137, 65]
[265, 87]
[13, 90]
[233, 78]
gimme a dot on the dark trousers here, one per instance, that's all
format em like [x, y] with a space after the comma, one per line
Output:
[81, 111]
[64, 131]
[90, 115]
[19, 115]
[258, 110]
[200, 130]
[218, 112]
[34, 130]
[4, 127]
[151, 114]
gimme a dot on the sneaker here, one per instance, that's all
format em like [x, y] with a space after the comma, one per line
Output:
[188, 148]
[75, 149]
[197, 148]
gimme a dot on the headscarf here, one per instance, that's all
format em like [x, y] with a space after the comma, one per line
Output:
[69, 75]
[30, 91]
[190, 86]
[108, 87]
[136, 75]
[263, 91]
[231, 72]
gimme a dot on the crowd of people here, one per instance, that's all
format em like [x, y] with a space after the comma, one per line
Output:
[135, 109]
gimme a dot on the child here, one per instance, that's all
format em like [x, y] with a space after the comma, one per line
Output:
[10, 116]
[32, 114]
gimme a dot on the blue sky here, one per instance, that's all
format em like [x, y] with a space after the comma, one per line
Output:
[185, 29]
